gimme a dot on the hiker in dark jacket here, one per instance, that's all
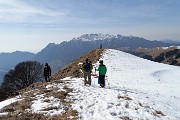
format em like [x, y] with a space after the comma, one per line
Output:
[47, 72]
[102, 72]
[100, 46]
[87, 67]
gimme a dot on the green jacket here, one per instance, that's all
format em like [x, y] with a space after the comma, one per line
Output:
[102, 69]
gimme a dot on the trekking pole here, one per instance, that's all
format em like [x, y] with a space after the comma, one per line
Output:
[94, 74]
[95, 69]
[107, 81]
[94, 82]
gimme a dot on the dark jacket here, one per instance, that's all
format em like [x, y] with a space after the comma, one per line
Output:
[87, 67]
[47, 71]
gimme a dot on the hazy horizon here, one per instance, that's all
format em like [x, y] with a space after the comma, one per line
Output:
[31, 25]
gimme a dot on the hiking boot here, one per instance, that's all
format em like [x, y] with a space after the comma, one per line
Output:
[102, 85]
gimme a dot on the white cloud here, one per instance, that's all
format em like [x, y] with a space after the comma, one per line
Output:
[20, 11]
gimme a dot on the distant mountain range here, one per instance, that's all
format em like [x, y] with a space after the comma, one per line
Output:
[172, 41]
[58, 55]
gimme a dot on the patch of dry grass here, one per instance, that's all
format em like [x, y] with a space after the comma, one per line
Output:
[24, 116]
[73, 69]
[125, 118]
[68, 115]
[61, 95]
[50, 108]
[18, 106]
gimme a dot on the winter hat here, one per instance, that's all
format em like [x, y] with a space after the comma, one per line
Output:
[101, 61]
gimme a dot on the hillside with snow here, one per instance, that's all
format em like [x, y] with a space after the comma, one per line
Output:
[168, 55]
[135, 89]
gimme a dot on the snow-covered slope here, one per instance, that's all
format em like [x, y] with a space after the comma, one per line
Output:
[136, 89]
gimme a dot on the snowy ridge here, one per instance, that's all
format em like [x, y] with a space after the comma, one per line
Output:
[176, 47]
[136, 89]
[165, 48]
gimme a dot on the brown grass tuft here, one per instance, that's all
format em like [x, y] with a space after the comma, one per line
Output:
[19, 106]
[50, 108]
[24, 116]
[61, 95]
[125, 118]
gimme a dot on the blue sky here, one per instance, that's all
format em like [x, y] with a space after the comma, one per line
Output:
[29, 25]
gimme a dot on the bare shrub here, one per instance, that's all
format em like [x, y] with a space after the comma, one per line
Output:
[23, 75]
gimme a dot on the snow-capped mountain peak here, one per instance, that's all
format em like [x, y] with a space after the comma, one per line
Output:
[94, 37]
[100, 36]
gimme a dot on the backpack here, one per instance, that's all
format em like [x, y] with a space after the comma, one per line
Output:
[47, 70]
[87, 67]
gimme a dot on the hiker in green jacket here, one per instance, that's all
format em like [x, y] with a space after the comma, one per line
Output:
[102, 72]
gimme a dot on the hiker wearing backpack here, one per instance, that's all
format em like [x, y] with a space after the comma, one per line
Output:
[47, 72]
[102, 72]
[87, 67]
